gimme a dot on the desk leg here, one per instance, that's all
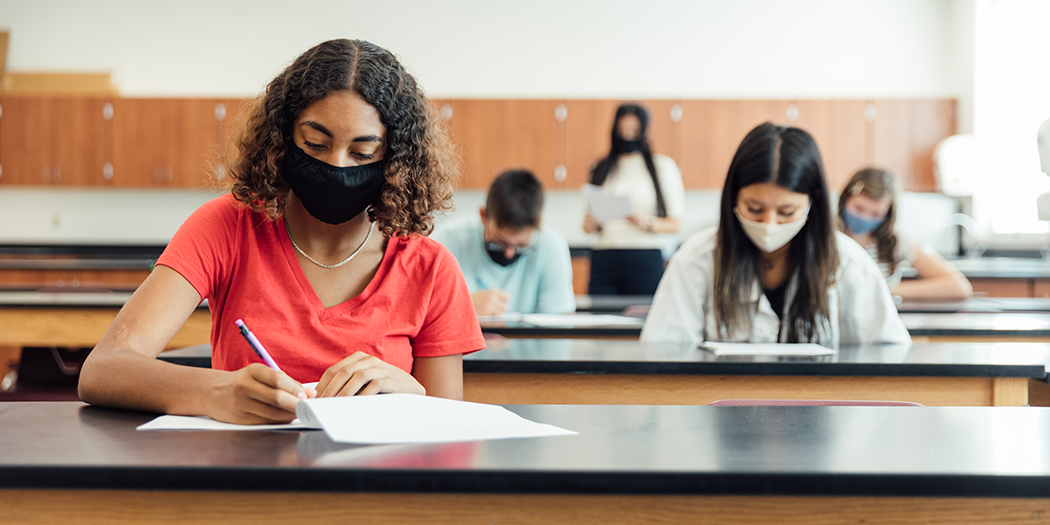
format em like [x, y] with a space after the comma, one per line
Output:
[1009, 391]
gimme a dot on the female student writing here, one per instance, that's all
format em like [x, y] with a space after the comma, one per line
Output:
[868, 214]
[318, 247]
[774, 269]
[627, 259]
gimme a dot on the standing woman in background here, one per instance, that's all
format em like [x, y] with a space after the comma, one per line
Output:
[774, 269]
[868, 214]
[627, 259]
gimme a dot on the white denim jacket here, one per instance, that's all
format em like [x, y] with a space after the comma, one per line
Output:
[859, 302]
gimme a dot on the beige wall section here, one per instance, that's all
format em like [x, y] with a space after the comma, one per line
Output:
[760, 49]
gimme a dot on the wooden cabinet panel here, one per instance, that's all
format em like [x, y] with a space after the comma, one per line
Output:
[665, 132]
[193, 142]
[531, 133]
[165, 142]
[711, 131]
[230, 127]
[701, 125]
[139, 142]
[891, 139]
[588, 132]
[48, 140]
[817, 117]
[83, 142]
[934, 120]
[476, 127]
[851, 142]
[26, 135]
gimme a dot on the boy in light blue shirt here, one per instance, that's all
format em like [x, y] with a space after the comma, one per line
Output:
[512, 263]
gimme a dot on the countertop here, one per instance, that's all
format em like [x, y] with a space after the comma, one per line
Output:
[839, 451]
[588, 356]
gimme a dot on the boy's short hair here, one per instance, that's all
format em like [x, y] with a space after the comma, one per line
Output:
[515, 200]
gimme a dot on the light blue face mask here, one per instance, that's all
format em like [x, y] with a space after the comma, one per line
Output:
[859, 224]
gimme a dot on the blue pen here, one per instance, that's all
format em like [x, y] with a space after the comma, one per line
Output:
[257, 346]
[482, 284]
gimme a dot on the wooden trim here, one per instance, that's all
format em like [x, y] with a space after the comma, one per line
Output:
[619, 389]
[1010, 391]
[48, 84]
[83, 327]
[251, 508]
[1038, 393]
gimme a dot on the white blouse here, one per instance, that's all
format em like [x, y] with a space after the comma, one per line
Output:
[631, 177]
[858, 301]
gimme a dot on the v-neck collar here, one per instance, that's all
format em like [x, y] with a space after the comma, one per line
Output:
[308, 290]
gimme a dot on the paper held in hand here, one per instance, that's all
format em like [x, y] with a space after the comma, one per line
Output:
[785, 349]
[388, 418]
[605, 206]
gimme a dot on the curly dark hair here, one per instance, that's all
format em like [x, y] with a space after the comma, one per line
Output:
[420, 163]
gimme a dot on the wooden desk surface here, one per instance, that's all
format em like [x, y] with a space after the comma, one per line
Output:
[582, 371]
[629, 464]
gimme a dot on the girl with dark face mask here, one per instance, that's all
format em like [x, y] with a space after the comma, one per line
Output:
[868, 214]
[627, 257]
[774, 269]
[320, 248]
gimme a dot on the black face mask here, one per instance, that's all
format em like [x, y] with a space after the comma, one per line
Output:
[500, 257]
[333, 195]
[627, 146]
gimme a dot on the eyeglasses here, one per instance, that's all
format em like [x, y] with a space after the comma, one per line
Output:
[497, 247]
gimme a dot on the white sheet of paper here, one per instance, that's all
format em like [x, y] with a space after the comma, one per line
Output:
[605, 206]
[206, 423]
[767, 349]
[408, 418]
[169, 422]
[580, 320]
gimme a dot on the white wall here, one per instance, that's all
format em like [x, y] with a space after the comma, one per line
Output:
[503, 49]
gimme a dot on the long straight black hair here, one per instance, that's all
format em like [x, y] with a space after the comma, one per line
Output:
[789, 158]
[602, 169]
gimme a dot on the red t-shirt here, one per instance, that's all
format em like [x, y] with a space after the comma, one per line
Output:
[416, 305]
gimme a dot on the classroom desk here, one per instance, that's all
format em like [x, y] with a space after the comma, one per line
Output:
[582, 371]
[978, 327]
[610, 303]
[979, 305]
[68, 462]
[624, 328]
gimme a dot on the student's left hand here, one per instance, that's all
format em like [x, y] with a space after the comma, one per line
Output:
[363, 374]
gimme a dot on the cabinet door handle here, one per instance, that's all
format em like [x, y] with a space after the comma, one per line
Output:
[168, 174]
[158, 174]
[676, 113]
[46, 174]
[220, 112]
[56, 174]
[107, 171]
[107, 111]
[561, 113]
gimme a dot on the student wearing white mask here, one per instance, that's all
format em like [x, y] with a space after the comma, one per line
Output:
[774, 269]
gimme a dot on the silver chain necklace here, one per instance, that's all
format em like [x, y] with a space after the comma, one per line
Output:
[348, 259]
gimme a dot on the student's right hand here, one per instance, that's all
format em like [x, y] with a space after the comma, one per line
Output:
[257, 394]
[590, 224]
[490, 302]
